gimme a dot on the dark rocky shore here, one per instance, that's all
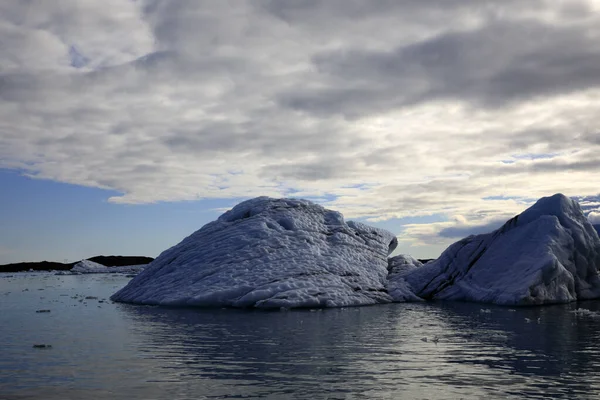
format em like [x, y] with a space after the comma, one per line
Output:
[108, 261]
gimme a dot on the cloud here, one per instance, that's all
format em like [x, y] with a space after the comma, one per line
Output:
[462, 231]
[493, 65]
[594, 217]
[382, 109]
[37, 35]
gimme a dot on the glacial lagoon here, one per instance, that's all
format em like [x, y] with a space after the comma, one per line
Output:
[440, 350]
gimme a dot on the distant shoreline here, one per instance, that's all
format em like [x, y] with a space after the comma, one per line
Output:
[107, 261]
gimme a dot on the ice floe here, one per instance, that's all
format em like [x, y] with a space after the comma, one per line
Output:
[584, 312]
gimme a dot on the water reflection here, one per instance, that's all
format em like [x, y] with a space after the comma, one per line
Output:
[429, 351]
[548, 351]
[271, 352]
[424, 351]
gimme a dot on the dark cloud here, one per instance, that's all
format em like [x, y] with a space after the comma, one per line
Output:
[321, 170]
[419, 100]
[589, 204]
[404, 11]
[532, 167]
[494, 66]
[464, 231]
[274, 138]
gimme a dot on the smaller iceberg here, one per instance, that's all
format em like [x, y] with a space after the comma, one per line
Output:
[398, 267]
[90, 267]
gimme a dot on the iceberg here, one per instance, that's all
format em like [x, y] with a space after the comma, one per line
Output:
[550, 253]
[270, 253]
[398, 267]
[88, 267]
[91, 267]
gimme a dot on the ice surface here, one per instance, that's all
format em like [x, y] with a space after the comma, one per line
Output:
[584, 312]
[90, 267]
[398, 267]
[270, 253]
[548, 254]
[87, 266]
[402, 264]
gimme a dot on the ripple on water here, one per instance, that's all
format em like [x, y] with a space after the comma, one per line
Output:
[436, 350]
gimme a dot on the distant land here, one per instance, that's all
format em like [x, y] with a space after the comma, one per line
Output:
[108, 261]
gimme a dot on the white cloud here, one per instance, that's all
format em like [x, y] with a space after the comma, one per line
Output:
[397, 108]
[594, 217]
[39, 34]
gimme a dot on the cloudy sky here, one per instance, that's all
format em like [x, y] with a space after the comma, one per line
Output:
[126, 125]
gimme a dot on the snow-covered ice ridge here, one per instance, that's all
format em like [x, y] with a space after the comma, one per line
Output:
[550, 253]
[270, 253]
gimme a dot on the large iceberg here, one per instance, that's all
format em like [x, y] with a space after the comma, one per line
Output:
[270, 253]
[550, 253]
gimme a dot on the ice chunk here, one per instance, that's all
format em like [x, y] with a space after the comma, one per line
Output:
[584, 312]
[270, 253]
[90, 267]
[402, 264]
[398, 267]
[87, 267]
[548, 254]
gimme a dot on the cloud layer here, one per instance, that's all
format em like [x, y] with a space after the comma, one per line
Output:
[463, 109]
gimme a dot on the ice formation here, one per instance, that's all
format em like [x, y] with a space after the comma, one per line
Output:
[550, 253]
[270, 253]
[398, 267]
[90, 267]
[584, 312]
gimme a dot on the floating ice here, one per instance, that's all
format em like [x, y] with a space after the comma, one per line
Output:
[548, 254]
[90, 267]
[584, 312]
[270, 253]
[398, 267]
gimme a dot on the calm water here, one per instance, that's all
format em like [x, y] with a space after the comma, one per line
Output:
[102, 350]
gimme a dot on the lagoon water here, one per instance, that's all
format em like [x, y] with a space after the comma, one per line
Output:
[105, 350]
